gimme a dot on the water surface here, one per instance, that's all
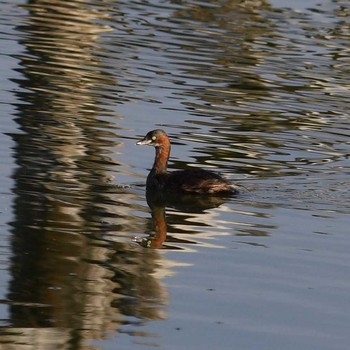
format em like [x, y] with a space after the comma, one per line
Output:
[256, 90]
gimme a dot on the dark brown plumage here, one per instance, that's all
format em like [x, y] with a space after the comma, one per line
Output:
[195, 181]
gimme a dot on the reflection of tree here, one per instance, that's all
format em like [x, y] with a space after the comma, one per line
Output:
[261, 79]
[138, 292]
[223, 39]
[220, 46]
[63, 274]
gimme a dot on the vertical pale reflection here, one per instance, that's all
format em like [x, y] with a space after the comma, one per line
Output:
[63, 275]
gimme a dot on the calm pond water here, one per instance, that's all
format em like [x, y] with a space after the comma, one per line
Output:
[256, 90]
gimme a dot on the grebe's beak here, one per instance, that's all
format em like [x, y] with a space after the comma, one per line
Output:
[144, 141]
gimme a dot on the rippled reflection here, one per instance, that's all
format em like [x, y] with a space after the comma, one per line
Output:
[65, 275]
[258, 90]
[184, 203]
[258, 87]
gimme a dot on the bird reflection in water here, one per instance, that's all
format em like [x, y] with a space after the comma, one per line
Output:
[187, 203]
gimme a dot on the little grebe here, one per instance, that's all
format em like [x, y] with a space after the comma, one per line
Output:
[186, 181]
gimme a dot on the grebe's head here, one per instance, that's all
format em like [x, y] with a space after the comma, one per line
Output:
[154, 138]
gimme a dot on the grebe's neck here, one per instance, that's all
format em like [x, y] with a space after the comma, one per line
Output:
[162, 155]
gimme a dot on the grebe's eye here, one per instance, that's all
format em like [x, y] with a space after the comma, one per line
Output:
[154, 138]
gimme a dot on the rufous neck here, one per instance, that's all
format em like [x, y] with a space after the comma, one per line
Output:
[162, 155]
